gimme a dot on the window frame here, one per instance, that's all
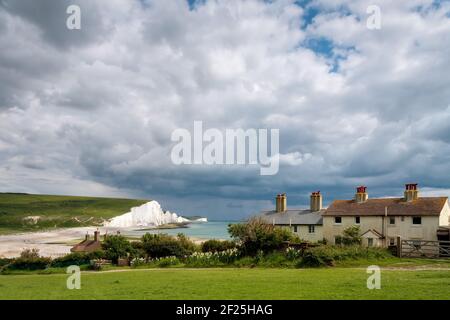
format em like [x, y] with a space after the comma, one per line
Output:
[311, 227]
[390, 221]
[417, 224]
[340, 218]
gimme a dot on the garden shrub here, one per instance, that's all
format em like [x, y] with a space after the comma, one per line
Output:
[77, 258]
[350, 236]
[211, 259]
[314, 260]
[257, 235]
[245, 262]
[167, 262]
[214, 245]
[275, 260]
[4, 261]
[163, 245]
[327, 255]
[29, 260]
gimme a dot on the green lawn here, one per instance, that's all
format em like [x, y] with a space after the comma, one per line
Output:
[329, 283]
[57, 211]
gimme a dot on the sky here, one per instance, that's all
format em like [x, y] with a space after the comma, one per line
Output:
[91, 111]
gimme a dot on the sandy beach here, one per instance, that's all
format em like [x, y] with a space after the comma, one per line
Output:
[58, 242]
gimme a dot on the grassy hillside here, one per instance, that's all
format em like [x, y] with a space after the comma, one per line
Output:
[29, 212]
[335, 283]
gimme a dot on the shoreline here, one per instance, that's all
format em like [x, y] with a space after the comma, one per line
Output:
[58, 242]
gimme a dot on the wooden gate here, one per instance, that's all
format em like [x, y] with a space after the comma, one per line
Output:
[424, 249]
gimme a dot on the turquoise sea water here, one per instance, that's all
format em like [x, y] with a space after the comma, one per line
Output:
[207, 230]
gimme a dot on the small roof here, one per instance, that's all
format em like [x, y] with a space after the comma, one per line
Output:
[372, 231]
[423, 206]
[292, 216]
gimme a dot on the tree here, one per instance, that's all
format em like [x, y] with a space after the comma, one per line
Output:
[350, 236]
[117, 246]
[163, 245]
[257, 235]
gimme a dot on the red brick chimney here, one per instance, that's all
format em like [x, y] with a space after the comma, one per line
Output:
[316, 201]
[411, 192]
[361, 195]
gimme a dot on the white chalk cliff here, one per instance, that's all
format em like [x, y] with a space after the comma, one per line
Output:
[149, 214]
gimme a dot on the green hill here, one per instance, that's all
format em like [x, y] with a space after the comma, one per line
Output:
[21, 212]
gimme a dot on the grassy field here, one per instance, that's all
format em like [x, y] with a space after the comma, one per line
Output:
[335, 283]
[16, 211]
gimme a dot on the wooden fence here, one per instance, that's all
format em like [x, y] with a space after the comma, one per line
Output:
[423, 249]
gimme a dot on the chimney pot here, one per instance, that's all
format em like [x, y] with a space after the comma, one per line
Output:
[361, 194]
[316, 201]
[411, 192]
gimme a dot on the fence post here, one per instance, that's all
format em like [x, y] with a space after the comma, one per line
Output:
[399, 247]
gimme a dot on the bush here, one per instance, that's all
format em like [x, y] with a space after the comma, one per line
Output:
[77, 258]
[245, 262]
[167, 262]
[328, 255]
[314, 260]
[117, 246]
[4, 261]
[257, 235]
[212, 259]
[350, 236]
[292, 253]
[217, 245]
[163, 245]
[274, 260]
[28, 260]
[30, 253]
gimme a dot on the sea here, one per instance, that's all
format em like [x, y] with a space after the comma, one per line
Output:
[205, 230]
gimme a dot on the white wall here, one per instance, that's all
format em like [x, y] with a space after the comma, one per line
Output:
[303, 232]
[445, 214]
[405, 229]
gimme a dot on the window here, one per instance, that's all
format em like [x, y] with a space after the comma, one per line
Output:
[392, 241]
[370, 242]
[311, 229]
[295, 228]
[403, 218]
[357, 220]
[337, 220]
[417, 220]
[391, 220]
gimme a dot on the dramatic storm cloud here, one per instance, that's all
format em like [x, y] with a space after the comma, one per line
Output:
[91, 111]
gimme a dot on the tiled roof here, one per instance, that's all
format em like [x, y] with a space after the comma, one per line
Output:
[431, 206]
[87, 246]
[292, 216]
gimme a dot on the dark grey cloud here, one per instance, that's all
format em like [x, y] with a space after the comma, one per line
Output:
[92, 111]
